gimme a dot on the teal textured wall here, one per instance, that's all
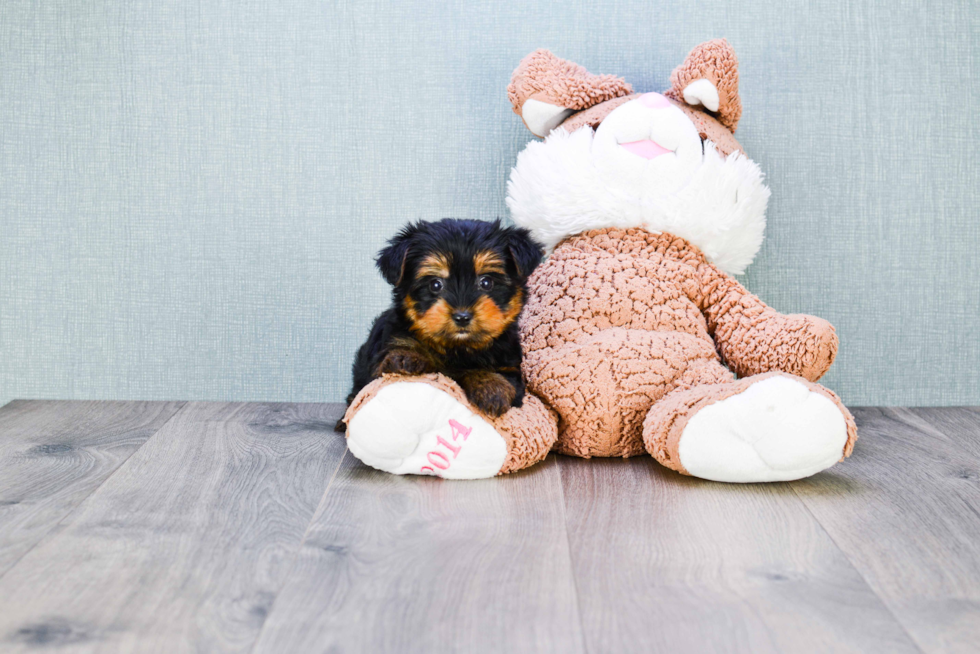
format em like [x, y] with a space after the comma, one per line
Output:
[191, 193]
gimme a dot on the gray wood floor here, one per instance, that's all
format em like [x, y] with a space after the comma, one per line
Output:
[211, 527]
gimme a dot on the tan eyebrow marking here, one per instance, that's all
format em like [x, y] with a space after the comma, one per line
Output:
[488, 262]
[434, 265]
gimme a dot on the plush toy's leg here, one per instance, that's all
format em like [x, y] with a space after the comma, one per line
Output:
[603, 386]
[425, 426]
[770, 427]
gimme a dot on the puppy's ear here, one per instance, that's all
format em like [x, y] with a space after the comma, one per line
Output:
[525, 252]
[391, 260]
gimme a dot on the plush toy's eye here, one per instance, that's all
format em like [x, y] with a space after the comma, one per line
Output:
[486, 284]
[435, 285]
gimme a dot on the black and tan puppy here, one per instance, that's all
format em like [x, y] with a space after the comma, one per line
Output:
[459, 286]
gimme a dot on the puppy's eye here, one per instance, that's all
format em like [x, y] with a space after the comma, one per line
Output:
[486, 284]
[435, 285]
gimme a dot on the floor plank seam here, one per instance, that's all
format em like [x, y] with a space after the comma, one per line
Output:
[299, 547]
[61, 521]
[568, 545]
[905, 416]
[860, 574]
[950, 439]
[323, 497]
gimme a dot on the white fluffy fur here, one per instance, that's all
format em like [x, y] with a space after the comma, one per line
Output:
[560, 188]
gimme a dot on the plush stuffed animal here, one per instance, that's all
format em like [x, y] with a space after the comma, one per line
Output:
[634, 330]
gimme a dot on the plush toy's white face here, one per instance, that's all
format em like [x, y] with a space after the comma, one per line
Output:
[648, 143]
[647, 166]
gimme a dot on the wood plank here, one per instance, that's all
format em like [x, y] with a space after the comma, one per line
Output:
[906, 510]
[55, 454]
[961, 425]
[415, 564]
[666, 563]
[186, 546]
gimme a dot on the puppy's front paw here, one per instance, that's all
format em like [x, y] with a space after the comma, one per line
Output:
[489, 392]
[404, 362]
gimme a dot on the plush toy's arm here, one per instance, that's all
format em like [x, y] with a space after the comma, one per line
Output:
[752, 338]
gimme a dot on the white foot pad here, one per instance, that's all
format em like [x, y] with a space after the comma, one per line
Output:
[775, 430]
[412, 428]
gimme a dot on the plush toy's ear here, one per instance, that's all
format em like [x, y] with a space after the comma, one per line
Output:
[525, 252]
[545, 90]
[709, 77]
[391, 260]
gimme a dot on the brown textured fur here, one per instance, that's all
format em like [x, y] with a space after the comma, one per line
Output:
[560, 82]
[618, 320]
[716, 62]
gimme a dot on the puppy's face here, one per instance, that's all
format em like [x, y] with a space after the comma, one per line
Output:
[461, 297]
[460, 283]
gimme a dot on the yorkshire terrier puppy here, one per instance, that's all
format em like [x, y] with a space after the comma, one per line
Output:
[458, 288]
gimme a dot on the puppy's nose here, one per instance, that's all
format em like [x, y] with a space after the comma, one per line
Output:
[462, 318]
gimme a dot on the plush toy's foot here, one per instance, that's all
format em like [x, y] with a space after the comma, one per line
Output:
[424, 426]
[413, 428]
[772, 427]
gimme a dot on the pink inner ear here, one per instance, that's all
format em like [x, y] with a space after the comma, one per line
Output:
[654, 100]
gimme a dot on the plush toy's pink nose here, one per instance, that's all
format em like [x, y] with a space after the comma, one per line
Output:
[654, 100]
